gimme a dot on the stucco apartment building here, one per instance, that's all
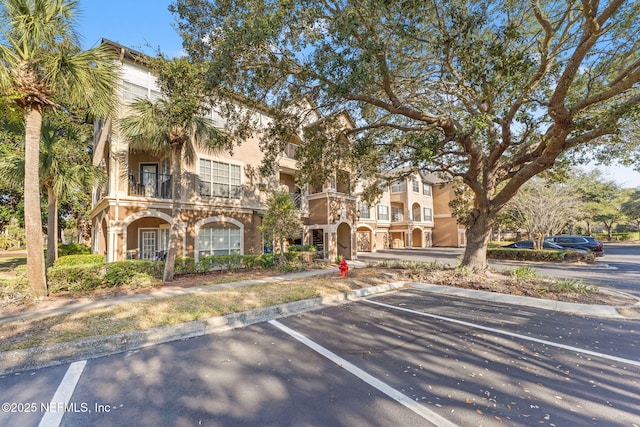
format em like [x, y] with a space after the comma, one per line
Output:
[224, 197]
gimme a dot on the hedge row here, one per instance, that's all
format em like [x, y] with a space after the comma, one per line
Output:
[86, 272]
[544, 255]
[617, 236]
[222, 263]
[87, 276]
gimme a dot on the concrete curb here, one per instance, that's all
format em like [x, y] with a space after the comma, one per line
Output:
[165, 292]
[91, 348]
[564, 307]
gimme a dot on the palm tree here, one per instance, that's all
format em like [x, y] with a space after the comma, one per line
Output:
[64, 170]
[41, 66]
[174, 125]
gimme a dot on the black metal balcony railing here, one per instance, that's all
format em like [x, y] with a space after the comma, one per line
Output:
[297, 199]
[147, 184]
[397, 217]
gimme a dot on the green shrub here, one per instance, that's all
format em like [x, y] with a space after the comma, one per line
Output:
[267, 261]
[234, 262]
[573, 286]
[185, 266]
[543, 256]
[573, 256]
[123, 272]
[523, 272]
[75, 277]
[205, 264]
[302, 248]
[292, 256]
[251, 261]
[70, 260]
[220, 262]
[73, 249]
[290, 267]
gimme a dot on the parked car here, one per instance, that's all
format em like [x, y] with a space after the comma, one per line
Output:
[581, 242]
[528, 244]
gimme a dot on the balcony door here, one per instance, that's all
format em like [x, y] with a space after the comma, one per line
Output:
[148, 243]
[149, 179]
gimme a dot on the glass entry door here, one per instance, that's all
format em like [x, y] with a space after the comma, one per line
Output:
[148, 244]
[149, 179]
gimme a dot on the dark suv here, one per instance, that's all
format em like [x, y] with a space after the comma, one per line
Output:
[581, 242]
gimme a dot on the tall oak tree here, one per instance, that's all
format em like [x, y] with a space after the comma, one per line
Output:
[493, 92]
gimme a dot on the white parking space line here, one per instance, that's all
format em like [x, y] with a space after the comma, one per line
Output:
[367, 378]
[60, 400]
[509, 334]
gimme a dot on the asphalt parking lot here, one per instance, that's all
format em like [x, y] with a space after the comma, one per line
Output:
[402, 358]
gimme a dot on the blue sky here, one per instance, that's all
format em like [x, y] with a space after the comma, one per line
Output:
[143, 25]
[146, 25]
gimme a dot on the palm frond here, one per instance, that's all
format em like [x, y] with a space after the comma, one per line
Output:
[86, 79]
[146, 127]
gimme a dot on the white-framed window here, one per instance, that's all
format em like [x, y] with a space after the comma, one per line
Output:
[218, 179]
[383, 213]
[219, 241]
[399, 186]
[132, 92]
[415, 186]
[397, 214]
[364, 210]
[426, 189]
[428, 214]
[415, 213]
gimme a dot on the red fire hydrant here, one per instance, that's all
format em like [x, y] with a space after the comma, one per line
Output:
[343, 267]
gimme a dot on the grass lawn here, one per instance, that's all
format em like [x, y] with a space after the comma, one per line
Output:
[147, 314]
[200, 304]
[9, 261]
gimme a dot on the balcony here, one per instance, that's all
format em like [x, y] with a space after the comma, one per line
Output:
[397, 217]
[149, 184]
[297, 199]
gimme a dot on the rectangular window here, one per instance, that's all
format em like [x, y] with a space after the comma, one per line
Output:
[399, 186]
[416, 186]
[132, 92]
[219, 179]
[363, 208]
[428, 214]
[397, 214]
[219, 241]
[383, 213]
[426, 189]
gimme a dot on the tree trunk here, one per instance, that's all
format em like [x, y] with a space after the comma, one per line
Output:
[283, 257]
[52, 227]
[475, 253]
[36, 274]
[176, 194]
[609, 228]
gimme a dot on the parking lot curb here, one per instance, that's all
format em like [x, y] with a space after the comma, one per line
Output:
[565, 307]
[90, 348]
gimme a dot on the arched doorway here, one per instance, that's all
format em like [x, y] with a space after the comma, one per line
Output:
[343, 240]
[416, 238]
